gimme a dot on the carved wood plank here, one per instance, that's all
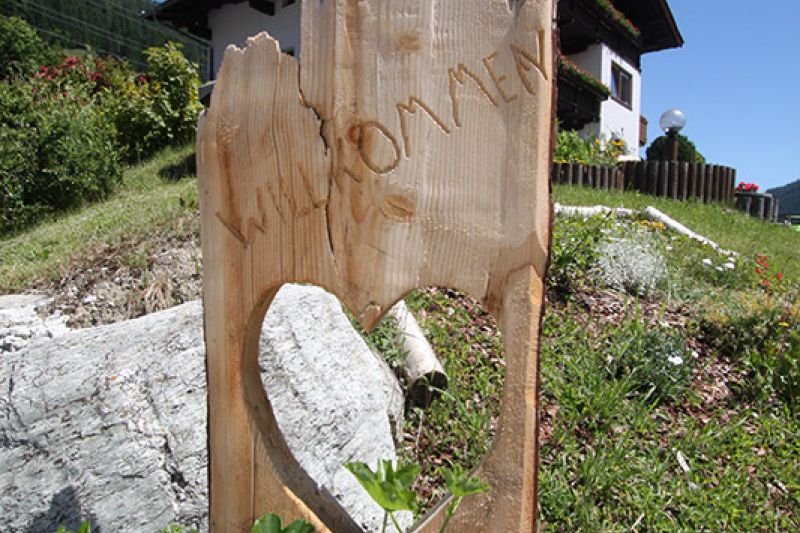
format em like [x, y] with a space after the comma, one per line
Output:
[411, 149]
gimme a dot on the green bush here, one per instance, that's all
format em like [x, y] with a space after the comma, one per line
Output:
[174, 82]
[687, 151]
[572, 148]
[157, 109]
[22, 51]
[56, 152]
[64, 130]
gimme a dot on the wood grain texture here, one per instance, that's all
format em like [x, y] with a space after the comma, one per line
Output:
[412, 149]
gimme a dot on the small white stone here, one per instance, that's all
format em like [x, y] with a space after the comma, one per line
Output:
[707, 261]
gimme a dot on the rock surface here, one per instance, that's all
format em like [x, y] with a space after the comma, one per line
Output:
[109, 423]
[20, 322]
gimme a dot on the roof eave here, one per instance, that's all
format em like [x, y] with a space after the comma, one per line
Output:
[673, 39]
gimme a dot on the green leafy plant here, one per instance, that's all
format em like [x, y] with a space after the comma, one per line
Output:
[271, 523]
[156, 109]
[389, 488]
[460, 484]
[85, 527]
[392, 489]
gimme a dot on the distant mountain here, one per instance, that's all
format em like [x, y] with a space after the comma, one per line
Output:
[789, 195]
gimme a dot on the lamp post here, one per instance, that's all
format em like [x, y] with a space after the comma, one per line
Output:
[672, 122]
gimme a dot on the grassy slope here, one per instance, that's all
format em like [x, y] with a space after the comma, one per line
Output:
[610, 462]
[727, 227]
[152, 195]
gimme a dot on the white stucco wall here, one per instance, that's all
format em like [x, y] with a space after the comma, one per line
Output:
[234, 23]
[615, 118]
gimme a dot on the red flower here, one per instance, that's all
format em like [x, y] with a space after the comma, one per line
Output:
[779, 276]
[758, 270]
[765, 282]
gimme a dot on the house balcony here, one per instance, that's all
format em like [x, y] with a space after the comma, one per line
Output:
[583, 23]
[579, 96]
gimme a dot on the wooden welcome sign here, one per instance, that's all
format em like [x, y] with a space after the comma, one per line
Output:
[411, 148]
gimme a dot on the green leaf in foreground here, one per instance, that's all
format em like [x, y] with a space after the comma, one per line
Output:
[389, 488]
[85, 527]
[271, 523]
[460, 483]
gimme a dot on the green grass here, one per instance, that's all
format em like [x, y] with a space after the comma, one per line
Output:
[612, 464]
[726, 226]
[152, 195]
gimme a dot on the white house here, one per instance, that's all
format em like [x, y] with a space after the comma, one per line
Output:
[605, 40]
[602, 41]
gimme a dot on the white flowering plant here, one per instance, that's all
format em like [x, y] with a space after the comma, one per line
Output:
[632, 263]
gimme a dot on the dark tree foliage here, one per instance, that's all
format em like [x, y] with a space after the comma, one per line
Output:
[687, 151]
[107, 27]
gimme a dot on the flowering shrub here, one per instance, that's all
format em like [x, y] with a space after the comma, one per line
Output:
[763, 336]
[67, 123]
[746, 187]
[56, 151]
[769, 279]
[572, 148]
[619, 17]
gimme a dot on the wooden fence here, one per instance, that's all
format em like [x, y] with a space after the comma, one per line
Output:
[759, 205]
[669, 179]
[588, 175]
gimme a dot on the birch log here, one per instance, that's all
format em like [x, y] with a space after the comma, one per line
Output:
[412, 149]
[423, 371]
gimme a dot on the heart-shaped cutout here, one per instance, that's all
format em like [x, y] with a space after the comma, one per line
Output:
[336, 401]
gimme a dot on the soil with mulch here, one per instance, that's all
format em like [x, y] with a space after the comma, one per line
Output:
[132, 278]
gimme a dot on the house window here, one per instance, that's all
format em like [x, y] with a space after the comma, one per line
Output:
[621, 85]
